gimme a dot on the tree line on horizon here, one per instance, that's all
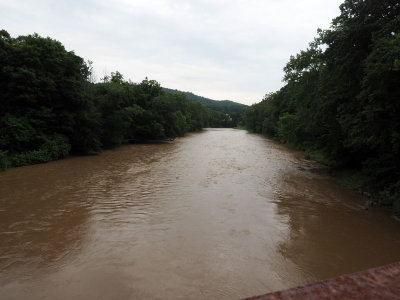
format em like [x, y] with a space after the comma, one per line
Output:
[341, 99]
[223, 113]
[50, 108]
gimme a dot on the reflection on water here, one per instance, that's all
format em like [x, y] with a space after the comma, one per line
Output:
[329, 233]
[218, 214]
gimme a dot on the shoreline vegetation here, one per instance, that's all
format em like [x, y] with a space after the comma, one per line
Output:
[52, 108]
[341, 100]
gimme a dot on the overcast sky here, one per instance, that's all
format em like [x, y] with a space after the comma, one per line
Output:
[221, 49]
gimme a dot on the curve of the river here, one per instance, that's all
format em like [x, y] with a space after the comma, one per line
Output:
[220, 214]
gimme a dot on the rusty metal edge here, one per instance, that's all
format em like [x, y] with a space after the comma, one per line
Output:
[376, 283]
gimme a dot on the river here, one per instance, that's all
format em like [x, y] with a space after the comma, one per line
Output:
[219, 214]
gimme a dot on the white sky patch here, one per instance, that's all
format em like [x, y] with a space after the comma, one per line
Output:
[219, 49]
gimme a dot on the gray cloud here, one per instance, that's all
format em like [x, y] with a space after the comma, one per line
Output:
[216, 48]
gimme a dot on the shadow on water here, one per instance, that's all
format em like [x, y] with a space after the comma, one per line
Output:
[330, 234]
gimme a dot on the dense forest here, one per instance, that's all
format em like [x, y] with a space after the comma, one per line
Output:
[51, 108]
[341, 99]
[225, 106]
[223, 113]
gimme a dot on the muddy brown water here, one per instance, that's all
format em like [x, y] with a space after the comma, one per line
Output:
[220, 214]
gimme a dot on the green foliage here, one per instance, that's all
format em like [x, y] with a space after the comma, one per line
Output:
[4, 160]
[319, 156]
[220, 120]
[52, 149]
[223, 113]
[288, 125]
[341, 98]
[50, 106]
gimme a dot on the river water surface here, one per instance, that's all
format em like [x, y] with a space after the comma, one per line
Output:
[220, 214]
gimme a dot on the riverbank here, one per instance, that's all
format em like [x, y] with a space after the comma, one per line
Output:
[356, 180]
[56, 149]
[377, 193]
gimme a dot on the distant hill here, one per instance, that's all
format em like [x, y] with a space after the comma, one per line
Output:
[225, 106]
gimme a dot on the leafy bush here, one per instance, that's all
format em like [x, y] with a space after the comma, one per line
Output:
[4, 160]
[287, 129]
[55, 148]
